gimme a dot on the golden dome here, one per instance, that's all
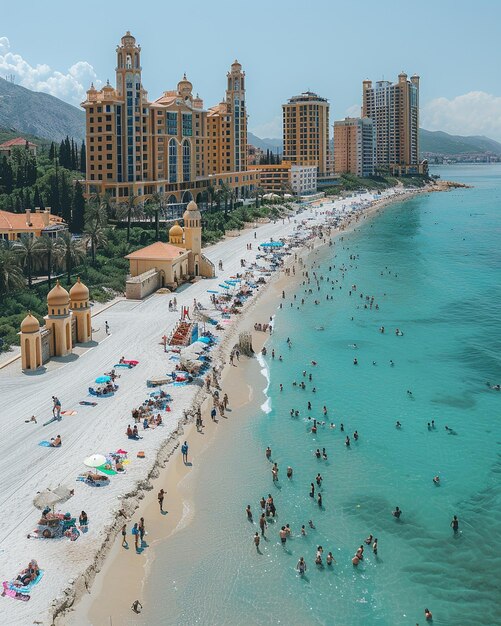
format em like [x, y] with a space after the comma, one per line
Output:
[176, 231]
[79, 291]
[30, 324]
[58, 296]
[191, 213]
[184, 86]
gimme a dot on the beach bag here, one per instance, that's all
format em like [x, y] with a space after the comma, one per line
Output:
[134, 531]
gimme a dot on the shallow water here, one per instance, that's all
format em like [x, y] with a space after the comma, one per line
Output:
[444, 254]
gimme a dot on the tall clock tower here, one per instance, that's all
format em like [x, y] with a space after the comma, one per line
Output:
[235, 98]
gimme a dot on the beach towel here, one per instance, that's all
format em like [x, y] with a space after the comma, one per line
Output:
[45, 444]
[27, 587]
[105, 470]
[180, 384]
[71, 412]
[87, 403]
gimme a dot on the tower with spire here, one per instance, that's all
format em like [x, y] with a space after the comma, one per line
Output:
[235, 99]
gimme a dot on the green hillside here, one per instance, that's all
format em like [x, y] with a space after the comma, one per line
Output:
[438, 142]
[39, 114]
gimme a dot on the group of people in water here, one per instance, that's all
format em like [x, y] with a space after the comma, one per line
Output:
[314, 282]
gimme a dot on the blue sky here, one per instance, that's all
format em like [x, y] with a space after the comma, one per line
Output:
[285, 47]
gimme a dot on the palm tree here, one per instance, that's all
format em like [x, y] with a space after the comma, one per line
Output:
[224, 193]
[51, 252]
[11, 274]
[156, 204]
[72, 251]
[211, 193]
[257, 192]
[29, 250]
[131, 202]
[95, 235]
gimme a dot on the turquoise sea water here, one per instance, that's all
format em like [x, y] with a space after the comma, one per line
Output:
[444, 292]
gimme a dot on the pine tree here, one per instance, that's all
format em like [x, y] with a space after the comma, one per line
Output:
[67, 148]
[52, 152]
[83, 159]
[65, 199]
[6, 176]
[78, 205]
[37, 198]
[62, 154]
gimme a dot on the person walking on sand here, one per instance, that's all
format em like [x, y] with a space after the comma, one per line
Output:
[124, 536]
[107, 328]
[184, 452]
[135, 532]
[142, 530]
[160, 497]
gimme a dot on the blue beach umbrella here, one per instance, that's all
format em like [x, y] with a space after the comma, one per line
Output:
[212, 291]
[103, 379]
[225, 286]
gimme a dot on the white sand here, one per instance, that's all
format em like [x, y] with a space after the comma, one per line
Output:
[26, 468]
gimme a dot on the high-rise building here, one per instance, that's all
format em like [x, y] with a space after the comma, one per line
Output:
[306, 131]
[172, 145]
[394, 109]
[354, 146]
[227, 127]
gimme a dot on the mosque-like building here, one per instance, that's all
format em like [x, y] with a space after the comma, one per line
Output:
[170, 264]
[67, 323]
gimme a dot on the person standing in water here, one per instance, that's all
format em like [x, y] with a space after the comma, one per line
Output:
[301, 566]
[455, 524]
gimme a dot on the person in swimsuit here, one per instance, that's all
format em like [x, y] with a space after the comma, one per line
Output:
[249, 512]
[301, 566]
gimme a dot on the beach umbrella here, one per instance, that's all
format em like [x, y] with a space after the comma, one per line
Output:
[95, 460]
[63, 492]
[46, 498]
[212, 291]
[205, 340]
[225, 286]
[103, 379]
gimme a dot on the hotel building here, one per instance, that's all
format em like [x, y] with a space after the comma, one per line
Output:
[286, 178]
[306, 131]
[354, 146]
[172, 145]
[394, 110]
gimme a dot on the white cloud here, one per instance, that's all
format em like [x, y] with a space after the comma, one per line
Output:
[473, 113]
[270, 130]
[70, 86]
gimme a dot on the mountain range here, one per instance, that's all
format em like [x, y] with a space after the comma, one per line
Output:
[38, 114]
[440, 143]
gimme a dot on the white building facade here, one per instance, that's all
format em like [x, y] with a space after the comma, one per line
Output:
[303, 179]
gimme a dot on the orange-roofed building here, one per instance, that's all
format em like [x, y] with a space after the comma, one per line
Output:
[19, 142]
[170, 264]
[35, 223]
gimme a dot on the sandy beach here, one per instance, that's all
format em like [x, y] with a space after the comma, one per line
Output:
[136, 330]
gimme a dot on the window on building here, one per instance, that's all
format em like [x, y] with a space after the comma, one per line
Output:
[172, 161]
[186, 160]
[171, 123]
[187, 125]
